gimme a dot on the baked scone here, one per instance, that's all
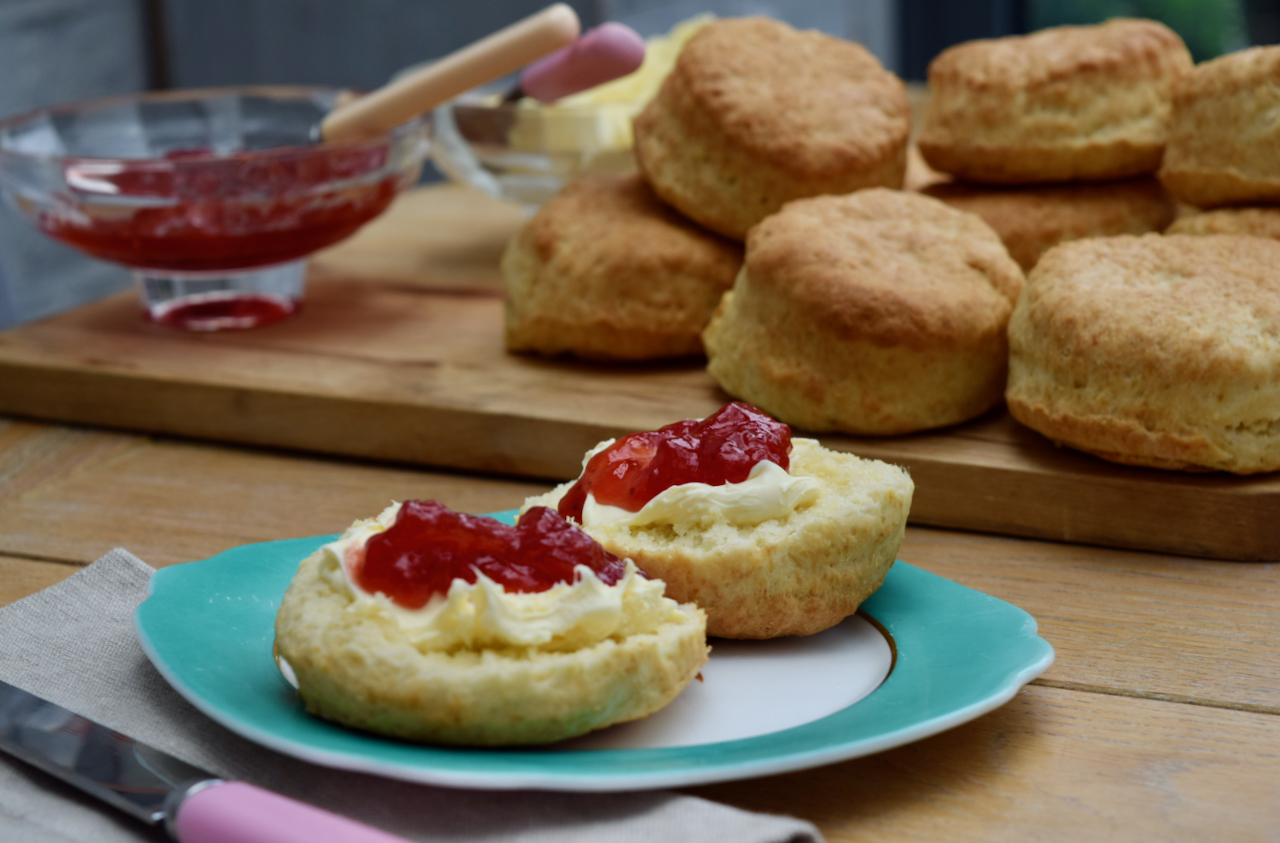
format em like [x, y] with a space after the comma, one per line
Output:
[756, 113]
[605, 271]
[879, 312]
[1030, 219]
[1159, 351]
[1224, 138]
[786, 551]
[1061, 104]
[486, 663]
[1253, 222]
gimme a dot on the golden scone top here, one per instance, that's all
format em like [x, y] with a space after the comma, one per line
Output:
[621, 218]
[1243, 70]
[1116, 51]
[804, 101]
[885, 266]
[756, 114]
[1185, 304]
[1224, 138]
[1156, 350]
[1087, 102]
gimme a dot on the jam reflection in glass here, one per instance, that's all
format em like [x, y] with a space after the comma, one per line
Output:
[430, 545]
[720, 449]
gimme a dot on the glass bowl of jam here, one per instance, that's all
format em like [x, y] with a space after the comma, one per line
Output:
[214, 198]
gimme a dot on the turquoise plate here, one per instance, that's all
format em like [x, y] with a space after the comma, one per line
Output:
[208, 627]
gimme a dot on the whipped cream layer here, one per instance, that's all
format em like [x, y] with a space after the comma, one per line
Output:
[485, 616]
[769, 492]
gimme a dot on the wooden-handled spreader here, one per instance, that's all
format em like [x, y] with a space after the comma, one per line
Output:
[556, 61]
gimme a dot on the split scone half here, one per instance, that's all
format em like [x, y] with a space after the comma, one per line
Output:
[797, 572]
[483, 666]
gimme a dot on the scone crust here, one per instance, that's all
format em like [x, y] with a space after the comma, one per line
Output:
[357, 671]
[605, 271]
[1153, 351]
[1224, 139]
[1252, 222]
[792, 576]
[880, 312]
[1033, 218]
[1065, 103]
[755, 114]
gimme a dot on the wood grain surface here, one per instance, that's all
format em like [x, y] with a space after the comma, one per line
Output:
[1160, 719]
[398, 356]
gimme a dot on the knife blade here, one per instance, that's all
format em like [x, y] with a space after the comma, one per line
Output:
[193, 805]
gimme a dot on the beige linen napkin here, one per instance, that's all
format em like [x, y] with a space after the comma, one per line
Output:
[74, 644]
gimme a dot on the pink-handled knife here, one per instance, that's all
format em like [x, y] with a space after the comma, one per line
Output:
[155, 787]
[600, 55]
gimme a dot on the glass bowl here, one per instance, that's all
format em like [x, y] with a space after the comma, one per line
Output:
[525, 152]
[214, 198]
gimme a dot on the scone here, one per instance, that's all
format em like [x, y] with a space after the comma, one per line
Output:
[790, 544]
[421, 624]
[605, 271]
[1253, 222]
[1030, 219]
[1153, 351]
[756, 113]
[1224, 138]
[880, 312]
[1061, 104]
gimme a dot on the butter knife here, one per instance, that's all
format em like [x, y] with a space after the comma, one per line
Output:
[153, 786]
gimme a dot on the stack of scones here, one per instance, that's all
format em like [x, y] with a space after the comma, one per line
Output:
[835, 300]
[1056, 135]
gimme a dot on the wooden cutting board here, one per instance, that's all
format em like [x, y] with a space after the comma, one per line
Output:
[397, 355]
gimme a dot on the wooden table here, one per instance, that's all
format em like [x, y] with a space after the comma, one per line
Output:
[1160, 719]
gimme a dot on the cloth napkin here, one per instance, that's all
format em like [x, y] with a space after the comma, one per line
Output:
[74, 644]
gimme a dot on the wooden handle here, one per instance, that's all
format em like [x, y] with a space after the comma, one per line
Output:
[503, 52]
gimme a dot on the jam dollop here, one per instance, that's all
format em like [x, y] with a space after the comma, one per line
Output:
[720, 449]
[430, 545]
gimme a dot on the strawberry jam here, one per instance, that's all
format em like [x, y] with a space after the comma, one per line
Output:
[430, 546]
[722, 448]
[199, 212]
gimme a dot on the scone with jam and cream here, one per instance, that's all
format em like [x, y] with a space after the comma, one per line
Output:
[771, 536]
[434, 626]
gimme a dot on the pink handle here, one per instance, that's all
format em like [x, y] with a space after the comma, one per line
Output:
[235, 812]
[605, 53]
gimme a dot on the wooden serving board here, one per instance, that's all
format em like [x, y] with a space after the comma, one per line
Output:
[398, 355]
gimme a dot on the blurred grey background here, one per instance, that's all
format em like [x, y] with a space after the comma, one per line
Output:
[54, 51]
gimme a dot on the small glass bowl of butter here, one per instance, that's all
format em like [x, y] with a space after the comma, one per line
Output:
[525, 151]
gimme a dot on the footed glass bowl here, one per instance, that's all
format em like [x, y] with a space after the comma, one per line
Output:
[214, 198]
[524, 152]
